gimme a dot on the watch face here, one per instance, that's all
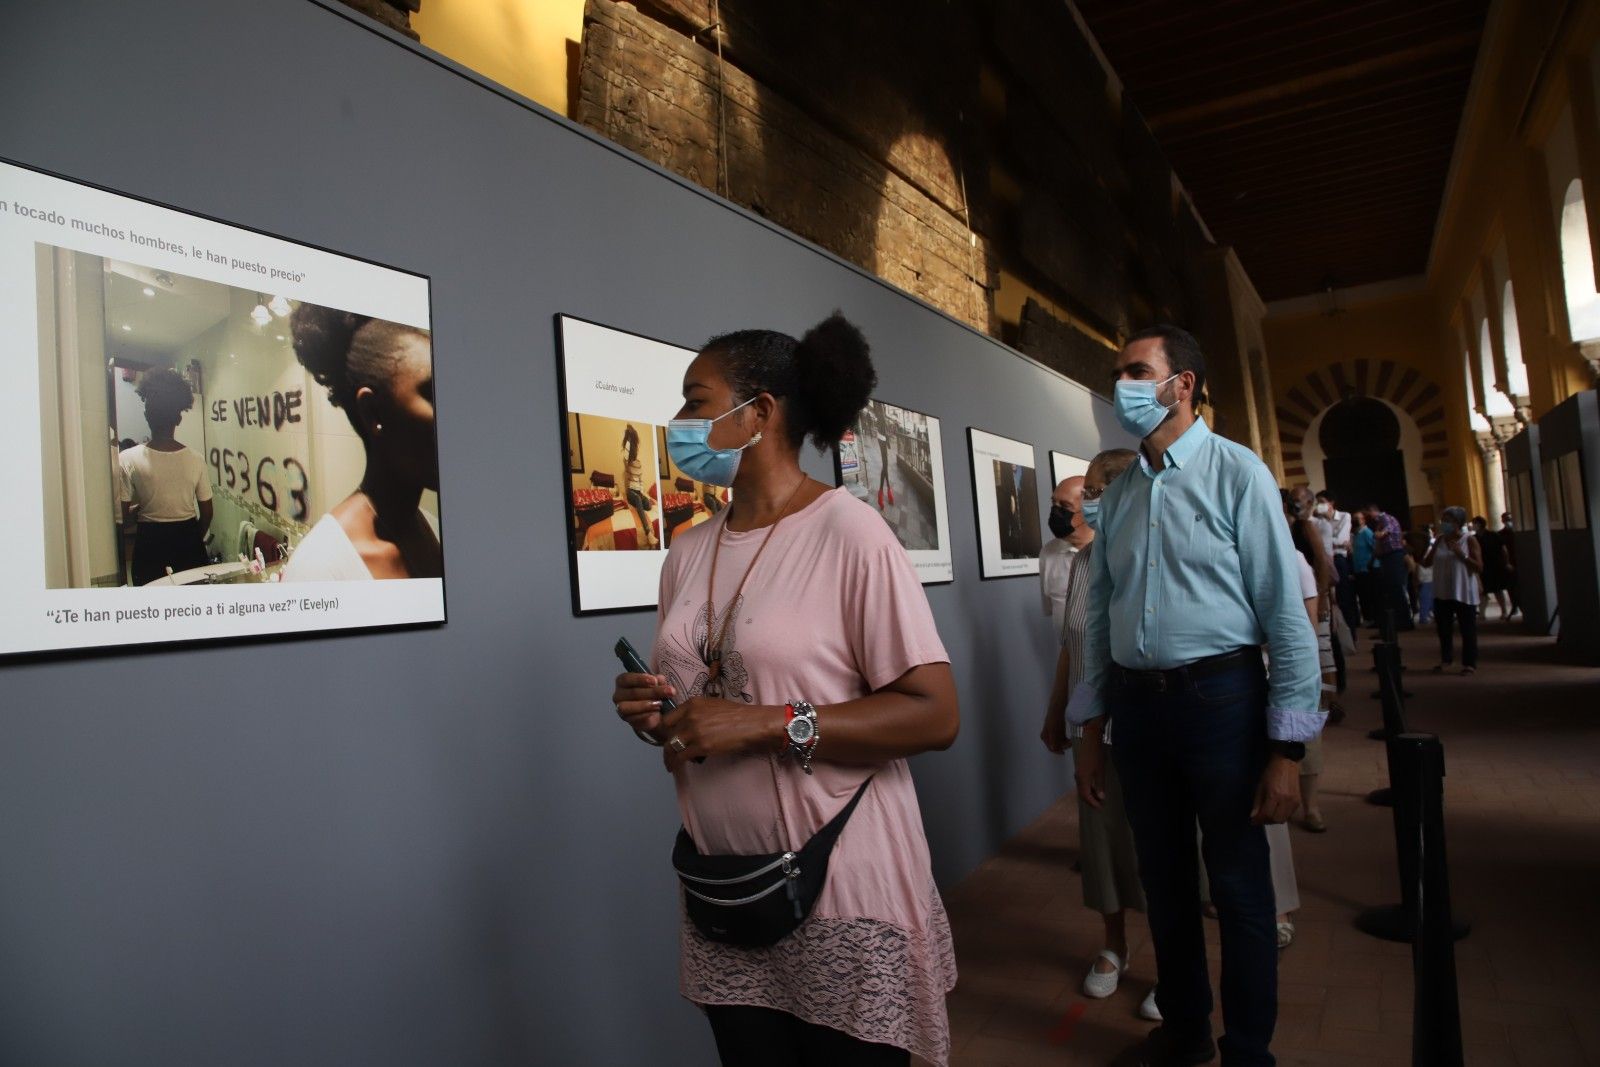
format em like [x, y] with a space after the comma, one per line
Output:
[801, 730]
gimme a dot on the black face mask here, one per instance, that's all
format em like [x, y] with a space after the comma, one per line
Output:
[1061, 523]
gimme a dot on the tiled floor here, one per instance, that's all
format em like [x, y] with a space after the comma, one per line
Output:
[1522, 809]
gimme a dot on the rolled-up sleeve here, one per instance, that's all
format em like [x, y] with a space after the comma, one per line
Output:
[1266, 561]
[1086, 701]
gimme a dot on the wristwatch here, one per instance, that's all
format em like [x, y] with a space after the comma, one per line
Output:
[801, 727]
[1290, 750]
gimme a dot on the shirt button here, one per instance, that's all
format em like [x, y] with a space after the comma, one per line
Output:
[1152, 564]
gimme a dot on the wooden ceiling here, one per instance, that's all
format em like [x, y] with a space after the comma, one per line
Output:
[1313, 135]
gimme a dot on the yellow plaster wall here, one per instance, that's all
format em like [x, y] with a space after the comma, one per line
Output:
[522, 44]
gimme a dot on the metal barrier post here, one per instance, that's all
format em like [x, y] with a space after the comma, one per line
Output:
[1436, 1009]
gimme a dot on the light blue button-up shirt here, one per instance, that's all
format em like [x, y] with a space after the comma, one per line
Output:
[1195, 560]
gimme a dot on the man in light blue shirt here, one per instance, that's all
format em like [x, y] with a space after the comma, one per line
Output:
[1197, 574]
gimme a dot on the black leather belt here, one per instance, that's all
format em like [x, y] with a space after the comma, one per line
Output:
[1178, 677]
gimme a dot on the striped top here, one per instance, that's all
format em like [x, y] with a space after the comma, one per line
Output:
[1074, 620]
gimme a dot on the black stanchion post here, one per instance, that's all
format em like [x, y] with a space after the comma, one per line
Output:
[1394, 721]
[1397, 922]
[1436, 1009]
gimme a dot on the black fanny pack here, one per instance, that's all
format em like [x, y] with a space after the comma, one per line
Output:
[756, 900]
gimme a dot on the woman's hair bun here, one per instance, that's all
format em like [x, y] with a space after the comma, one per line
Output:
[322, 338]
[834, 378]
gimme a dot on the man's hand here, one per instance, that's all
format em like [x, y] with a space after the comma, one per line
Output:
[1089, 761]
[1054, 734]
[1279, 792]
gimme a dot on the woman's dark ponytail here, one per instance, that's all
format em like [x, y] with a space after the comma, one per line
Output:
[834, 378]
[823, 380]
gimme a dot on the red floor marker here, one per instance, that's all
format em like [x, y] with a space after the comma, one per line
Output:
[1062, 1033]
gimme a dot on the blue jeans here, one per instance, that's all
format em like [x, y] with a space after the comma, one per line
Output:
[1196, 751]
[1425, 601]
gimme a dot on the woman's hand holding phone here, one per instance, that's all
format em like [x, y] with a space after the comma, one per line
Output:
[638, 699]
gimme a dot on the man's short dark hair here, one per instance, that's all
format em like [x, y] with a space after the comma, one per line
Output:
[1183, 353]
[1323, 494]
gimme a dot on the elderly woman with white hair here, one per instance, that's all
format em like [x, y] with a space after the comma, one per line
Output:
[1457, 562]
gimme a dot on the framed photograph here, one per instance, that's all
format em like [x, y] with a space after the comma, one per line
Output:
[623, 510]
[201, 448]
[1554, 502]
[893, 459]
[1063, 466]
[1575, 499]
[574, 444]
[1005, 498]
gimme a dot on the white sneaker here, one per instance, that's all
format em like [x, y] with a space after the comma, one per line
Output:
[1100, 984]
[1147, 1007]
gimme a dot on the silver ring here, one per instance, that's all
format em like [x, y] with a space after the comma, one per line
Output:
[677, 744]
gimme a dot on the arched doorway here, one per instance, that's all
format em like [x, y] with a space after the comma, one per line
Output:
[1362, 459]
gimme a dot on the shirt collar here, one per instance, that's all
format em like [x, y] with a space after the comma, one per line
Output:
[1184, 449]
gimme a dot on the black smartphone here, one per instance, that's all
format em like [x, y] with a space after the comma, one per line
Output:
[634, 663]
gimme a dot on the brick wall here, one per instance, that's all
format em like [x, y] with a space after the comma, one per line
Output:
[652, 89]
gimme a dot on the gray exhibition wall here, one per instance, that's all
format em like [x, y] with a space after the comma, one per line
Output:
[437, 845]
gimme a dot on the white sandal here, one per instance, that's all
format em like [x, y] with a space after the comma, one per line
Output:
[1101, 984]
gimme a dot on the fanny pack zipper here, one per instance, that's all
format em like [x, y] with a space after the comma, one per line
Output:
[782, 861]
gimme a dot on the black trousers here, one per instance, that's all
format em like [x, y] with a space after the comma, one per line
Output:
[1445, 614]
[160, 545]
[766, 1037]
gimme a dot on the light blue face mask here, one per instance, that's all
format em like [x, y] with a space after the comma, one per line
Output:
[1089, 512]
[689, 445]
[1138, 411]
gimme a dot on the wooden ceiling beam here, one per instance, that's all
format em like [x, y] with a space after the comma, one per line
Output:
[1418, 55]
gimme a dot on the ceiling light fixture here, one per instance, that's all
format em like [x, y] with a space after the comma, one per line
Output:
[126, 328]
[278, 306]
[260, 315]
[149, 291]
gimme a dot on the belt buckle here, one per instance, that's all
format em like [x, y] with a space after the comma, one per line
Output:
[1158, 681]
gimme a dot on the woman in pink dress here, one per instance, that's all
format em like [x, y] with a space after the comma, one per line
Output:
[798, 595]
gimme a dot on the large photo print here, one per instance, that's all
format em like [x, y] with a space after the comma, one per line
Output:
[893, 459]
[231, 434]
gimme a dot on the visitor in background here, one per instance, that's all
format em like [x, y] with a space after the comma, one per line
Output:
[1363, 561]
[1496, 566]
[1340, 529]
[1389, 552]
[1457, 561]
[1424, 578]
[1327, 525]
[795, 637]
[1508, 538]
[166, 496]
[1316, 588]
[1110, 865]
[1068, 536]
